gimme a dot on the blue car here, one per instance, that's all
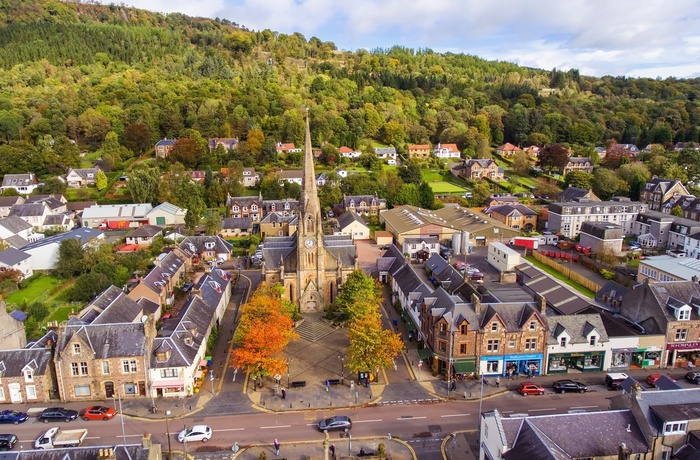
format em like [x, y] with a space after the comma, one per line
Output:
[13, 416]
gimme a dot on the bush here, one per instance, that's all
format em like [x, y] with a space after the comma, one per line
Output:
[381, 450]
[607, 274]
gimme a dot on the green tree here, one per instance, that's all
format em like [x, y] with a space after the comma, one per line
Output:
[606, 184]
[212, 223]
[101, 181]
[143, 184]
[580, 179]
[426, 196]
[521, 163]
[407, 194]
[360, 293]
[410, 173]
[195, 211]
[677, 211]
[70, 258]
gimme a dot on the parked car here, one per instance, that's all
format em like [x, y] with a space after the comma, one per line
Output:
[7, 441]
[98, 413]
[613, 380]
[53, 414]
[651, 380]
[13, 416]
[195, 433]
[562, 386]
[693, 377]
[530, 388]
[339, 422]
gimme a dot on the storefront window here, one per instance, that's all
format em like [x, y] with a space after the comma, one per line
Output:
[491, 366]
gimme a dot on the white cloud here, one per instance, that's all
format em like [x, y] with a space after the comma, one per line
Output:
[596, 36]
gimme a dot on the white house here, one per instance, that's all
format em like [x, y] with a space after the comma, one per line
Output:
[576, 342]
[350, 223]
[80, 177]
[347, 152]
[17, 232]
[44, 252]
[502, 257]
[166, 215]
[23, 183]
[250, 177]
[295, 176]
[447, 151]
[385, 153]
[427, 244]
[17, 260]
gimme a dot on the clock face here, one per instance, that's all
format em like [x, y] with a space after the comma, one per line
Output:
[309, 243]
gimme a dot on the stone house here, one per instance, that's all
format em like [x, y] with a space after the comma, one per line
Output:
[584, 164]
[229, 143]
[516, 216]
[480, 168]
[206, 247]
[364, 205]
[658, 191]
[245, 206]
[164, 147]
[233, 227]
[419, 151]
[159, 284]
[27, 375]
[508, 149]
[277, 224]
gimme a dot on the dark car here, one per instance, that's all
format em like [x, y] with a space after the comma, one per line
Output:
[562, 386]
[13, 416]
[339, 422]
[58, 413]
[7, 441]
[693, 377]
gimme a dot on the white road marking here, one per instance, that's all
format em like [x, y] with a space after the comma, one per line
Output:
[584, 407]
[454, 415]
[410, 418]
[227, 429]
[273, 427]
[540, 410]
[367, 421]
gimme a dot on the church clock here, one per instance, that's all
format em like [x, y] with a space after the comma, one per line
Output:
[309, 243]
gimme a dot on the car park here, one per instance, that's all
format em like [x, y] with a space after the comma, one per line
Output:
[693, 377]
[196, 433]
[13, 416]
[530, 388]
[7, 441]
[98, 413]
[562, 386]
[339, 422]
[53, 414]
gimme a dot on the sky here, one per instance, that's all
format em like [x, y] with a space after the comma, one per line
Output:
[640, 38]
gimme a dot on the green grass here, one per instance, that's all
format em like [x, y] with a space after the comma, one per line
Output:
[432, 175]
[445, 187]
[583, 290]
[62, 313]
[39, 289]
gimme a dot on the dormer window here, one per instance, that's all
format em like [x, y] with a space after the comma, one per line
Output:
[463, 329]
[254, 207]
[562, 342]
[28, 375]
[684, 314]
[494, 327]
[592, 340]
[675, 428]
[163, 356]
[209, 245]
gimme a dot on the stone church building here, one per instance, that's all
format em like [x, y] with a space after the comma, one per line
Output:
[309, 264]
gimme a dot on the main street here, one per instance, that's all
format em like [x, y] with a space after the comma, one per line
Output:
[413, 423]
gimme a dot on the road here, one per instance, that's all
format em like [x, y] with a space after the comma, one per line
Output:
[421, 425]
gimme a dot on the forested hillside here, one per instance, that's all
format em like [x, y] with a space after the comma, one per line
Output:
[80, 71]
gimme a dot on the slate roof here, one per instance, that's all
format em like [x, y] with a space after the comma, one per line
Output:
[452, 308]
[107, 340]
[12, 256]
[112, 306]
[85, 173]
[391, 261]
[513, 315]
[655, 399]
[511, 210]
[572, 193]
[193, 245]
[578, 327]
[148, 306]
[286, 204]
[157, 279]
[449, 278]
[611, 291]
[28, 209]
[290, 174]
[19, 180]
[420, 239]
[145, 231]
[13, 361]
[407, 279]
[166, 142]
[278, 217]
[121, 452]
[57, 220]
[15, 224]
[244, 201]
[558, 297]
[78, 206]
[435, 263]
[7, 201]
[348, 218]
[237, 222]
[16, 241]
[84, 233]
[370, 200]
[277, 249]
[212, 286]
[342, 248]
[481, 162]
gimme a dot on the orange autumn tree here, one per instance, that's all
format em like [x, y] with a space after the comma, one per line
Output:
[263, 332]
[371, 346]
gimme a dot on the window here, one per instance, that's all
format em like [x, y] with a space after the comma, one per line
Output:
[684, 315]
[494, 327]
[533, 325]
[592, 340]
[443, 328]
[463, 348]
[681, 335]
[562, 342]
[76, 348]
[29, 375]
[74, 369]
[675, 428]
[83, 368]
[105, 367]
[492, 345]
[81, 390]
[442, 346]
[31, 392]
[166, 373]
[129, 366]
[2, 394]
[511, 343]
[530, 344]
[463, 329]
[491, 366]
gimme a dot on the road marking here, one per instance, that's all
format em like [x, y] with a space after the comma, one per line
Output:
[583, 407]
[455, 415]
[226, 429]
[96, 437]
[540, 410]
[367, 421]
[273, 427]
[410, 418]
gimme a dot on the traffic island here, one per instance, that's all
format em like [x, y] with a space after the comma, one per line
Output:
[345, 448]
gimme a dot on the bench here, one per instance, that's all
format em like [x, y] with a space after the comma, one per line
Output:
[333, 382]
[299, 384]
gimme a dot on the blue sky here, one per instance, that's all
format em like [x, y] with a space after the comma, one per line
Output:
[647, 38]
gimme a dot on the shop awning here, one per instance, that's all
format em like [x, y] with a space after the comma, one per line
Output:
[410, 327]
[178, 383]
[198, 374]
[462, 367]
[203, 363]
[425, 353]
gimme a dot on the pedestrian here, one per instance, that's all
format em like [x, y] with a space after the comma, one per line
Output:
[332, 450]
[328, 385]
[277, 447]
[498, 381]
[284, 393]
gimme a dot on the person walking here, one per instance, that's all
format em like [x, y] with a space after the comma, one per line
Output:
[498, 381]
[332, 450]
[277, 447]
[328, 385]
[284, 393]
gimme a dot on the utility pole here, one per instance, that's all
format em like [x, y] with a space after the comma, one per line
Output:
[449, 363]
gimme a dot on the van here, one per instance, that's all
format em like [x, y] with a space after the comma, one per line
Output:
[614, 380]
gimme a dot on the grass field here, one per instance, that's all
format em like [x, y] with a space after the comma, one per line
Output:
[445, 187]
[38, 290]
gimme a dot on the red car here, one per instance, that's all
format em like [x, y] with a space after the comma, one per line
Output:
[98, 413]
[651, 380]
[529, 388]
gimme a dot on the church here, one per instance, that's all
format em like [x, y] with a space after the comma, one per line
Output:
[310, 265]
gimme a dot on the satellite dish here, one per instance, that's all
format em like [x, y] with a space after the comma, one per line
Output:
[144, 318]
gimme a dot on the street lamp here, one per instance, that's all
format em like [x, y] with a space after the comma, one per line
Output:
[167, 430]
[342, 368]
[288, 373]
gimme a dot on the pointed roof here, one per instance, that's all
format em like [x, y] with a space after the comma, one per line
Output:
[308, 186]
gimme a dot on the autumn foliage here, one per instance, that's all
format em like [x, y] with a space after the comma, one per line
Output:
[263, 332]
[371, 346]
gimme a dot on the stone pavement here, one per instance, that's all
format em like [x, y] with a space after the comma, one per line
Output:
[395, 449]
[460, 445]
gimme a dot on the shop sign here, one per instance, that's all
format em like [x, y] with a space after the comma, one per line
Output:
[578, 355]
[683, 346]
[527, 356]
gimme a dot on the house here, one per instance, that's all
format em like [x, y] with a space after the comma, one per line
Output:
[421, 248]
[44, 252]
[656, 229]
[350, 223]
[164, 147]
[503, 258]
[144, 235]
[286, 148]
[516, 216]
[630, 150]
[77, 207]
[576, 342]
[236, 226]
[177, 234]
[501, 200]
[669, 308]
[15, 259]
[347, 152]
[571, 193]
[17, 232]
[198, 177]
[533, 151]
[601, 152]
[14, 335]
[28, 374]
[508, 149]
[166, 215]
[293, 176]
[599, 435]
[277, 224]
[658, 191]
[159, 284]
[321, 179]
[364, 205]
[385, 153]
[666, 268]
[81, 177]
[383, 238]
[228, 143]
[245, 206]
[447, 151]
[602, 237]
[480, 168]
[418, 151]
[584, 164]
[287, 206]
[206, 247]
[250, 177]
[44, 213]
[6, 203]
[117, 216]
[25, 184]
[567, 217]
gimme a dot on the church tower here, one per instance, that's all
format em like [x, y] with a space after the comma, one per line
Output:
[310, 247]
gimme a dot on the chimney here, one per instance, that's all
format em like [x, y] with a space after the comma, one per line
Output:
[146, 441]
[539, 298]
[637, 390]
[623, 453]
[477, 303]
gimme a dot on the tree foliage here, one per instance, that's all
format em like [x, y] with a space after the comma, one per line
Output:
[358, 293]
[371, 346]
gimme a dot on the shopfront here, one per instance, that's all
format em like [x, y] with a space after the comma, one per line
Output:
[621, 358]
[649, 357]
[585, 361]
[512, 364]
[683, 354]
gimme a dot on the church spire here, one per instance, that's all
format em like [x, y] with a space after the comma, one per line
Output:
[309, 193]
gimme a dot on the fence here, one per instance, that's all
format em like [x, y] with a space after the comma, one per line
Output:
[566, 271]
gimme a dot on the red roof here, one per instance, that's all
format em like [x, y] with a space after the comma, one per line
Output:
[345, 149]
[418, 146]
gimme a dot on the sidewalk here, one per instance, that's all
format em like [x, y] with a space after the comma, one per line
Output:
[395, 449]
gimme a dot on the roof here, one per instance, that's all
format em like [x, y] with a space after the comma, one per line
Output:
[78, 206]
[19, 180]
[348, 218]
[481, 162]
[85, 173]
[84, 233]
[12, 257]
[106, 340]
[278, 217]
[19, 315]
[145, 231]
[342, 247]
[418, 146]
[650, 403]
[14, 361]
[165, 142]
[15, 224]
[29, 209]
[193, 245]
[421, 239]
[577, 326]
[291, 174]
[237, 222]
[117, 211]
[277, 249]
[121, 452]
[370, 200]
[511, 209]
[168, 208]
[681, 267]
[213, 286]
[112, 306]
[7, 201]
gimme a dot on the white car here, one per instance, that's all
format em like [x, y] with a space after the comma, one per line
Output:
[195, 433]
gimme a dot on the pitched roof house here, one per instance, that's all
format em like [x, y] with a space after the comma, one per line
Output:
[25, 184]
[164, 147]
[81, 177]
[28, 373]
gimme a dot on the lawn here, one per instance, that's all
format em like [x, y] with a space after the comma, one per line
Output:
[430, 175]
[39, 289]
[441, 187]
